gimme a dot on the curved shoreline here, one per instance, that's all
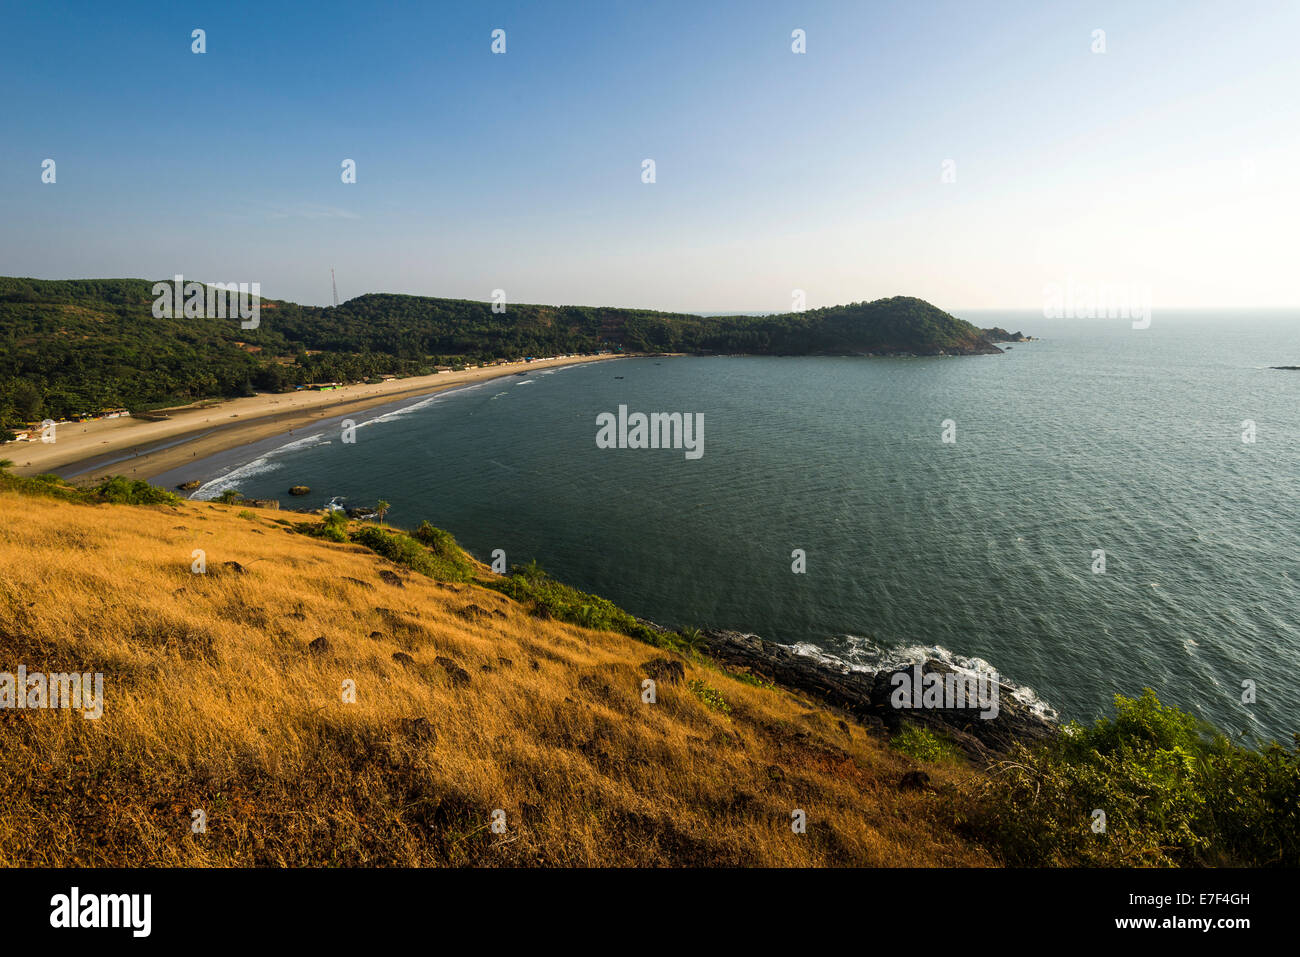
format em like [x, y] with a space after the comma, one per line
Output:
[195, 433]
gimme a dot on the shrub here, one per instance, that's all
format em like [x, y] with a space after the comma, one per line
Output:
[1174, 793]
[924, 745]
[335, 526]
[531, 585]
[711, 696]
[124, 491]
[445, 561]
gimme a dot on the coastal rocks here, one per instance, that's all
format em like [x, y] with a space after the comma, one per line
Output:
[189, 486]
[867, 695]
[299, 490]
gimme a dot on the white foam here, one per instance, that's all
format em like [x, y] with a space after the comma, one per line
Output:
[864, 654]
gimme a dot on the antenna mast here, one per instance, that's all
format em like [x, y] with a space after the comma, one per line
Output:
[336, 288]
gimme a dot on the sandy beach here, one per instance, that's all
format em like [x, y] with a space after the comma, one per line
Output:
[139, 448]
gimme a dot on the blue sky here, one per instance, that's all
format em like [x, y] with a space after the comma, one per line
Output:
[1168, 161]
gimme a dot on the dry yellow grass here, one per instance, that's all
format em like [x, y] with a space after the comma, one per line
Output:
[213, 701]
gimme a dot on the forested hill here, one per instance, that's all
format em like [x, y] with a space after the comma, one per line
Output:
[78, 346]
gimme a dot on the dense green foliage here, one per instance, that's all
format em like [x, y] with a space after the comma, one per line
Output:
[445, 562]
[429, 551]
[530, 585]
[924, 744]
[117, 489]
[70, 347]
[1173, 791]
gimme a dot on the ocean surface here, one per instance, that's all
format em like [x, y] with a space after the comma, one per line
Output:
[980, 551]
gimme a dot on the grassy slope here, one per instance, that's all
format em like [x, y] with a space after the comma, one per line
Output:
[214, 701]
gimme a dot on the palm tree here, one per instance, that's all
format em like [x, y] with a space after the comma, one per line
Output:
[382, 507]
[692, 638]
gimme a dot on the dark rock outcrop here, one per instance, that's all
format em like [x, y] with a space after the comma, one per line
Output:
[455, 673]
[867, 695]
[664, 669]
[419, 729]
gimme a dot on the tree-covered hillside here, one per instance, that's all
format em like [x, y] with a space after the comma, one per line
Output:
[77, 346]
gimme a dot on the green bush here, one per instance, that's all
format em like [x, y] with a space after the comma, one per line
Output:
[711, 696]
[1174, 793]
[445, 561]
[124, 491]
[118, 489]
[335, 526]
[924, 745]
[530, 585]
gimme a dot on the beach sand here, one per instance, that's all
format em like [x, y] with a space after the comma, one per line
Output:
[138, 448]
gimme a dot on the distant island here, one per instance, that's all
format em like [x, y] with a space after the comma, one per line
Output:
[78, 347]
[998, 334]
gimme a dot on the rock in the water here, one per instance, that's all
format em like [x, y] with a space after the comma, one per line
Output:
[189, 486]
[299, 490]
[867, 695]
